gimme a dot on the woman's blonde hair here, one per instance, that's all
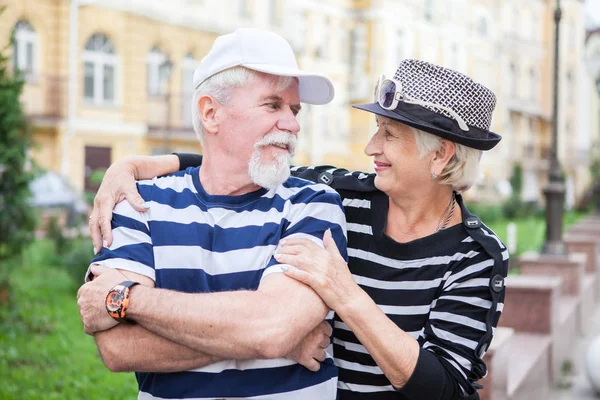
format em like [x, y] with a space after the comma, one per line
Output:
[462, 171]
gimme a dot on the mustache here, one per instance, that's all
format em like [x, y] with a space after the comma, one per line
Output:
[279, 138]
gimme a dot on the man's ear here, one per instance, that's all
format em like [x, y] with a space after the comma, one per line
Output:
[442, 156]
[208, 107]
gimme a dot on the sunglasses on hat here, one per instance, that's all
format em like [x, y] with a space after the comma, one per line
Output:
[389, 92]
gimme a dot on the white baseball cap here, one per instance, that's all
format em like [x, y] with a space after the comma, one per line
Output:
[262, 51]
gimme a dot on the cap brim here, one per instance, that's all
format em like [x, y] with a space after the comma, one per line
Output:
[313, 88]
[479, 143]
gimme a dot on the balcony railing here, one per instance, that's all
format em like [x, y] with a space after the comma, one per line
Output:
[45, 96]
[170, 111]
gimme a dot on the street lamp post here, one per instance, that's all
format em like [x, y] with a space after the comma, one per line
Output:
[555, 189]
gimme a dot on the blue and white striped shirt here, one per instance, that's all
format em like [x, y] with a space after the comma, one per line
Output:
[190, 241]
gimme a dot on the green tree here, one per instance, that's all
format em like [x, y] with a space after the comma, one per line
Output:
[17, 218]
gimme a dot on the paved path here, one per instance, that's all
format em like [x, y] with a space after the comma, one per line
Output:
[581, 388]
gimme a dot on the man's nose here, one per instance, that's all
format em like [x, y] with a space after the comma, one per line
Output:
[289, 123]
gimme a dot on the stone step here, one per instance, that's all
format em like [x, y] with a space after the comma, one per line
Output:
[495, 384]
[564, 334]
[570, 268]
[589, 298]
[530, 304]
[529, 367]
[588, 244]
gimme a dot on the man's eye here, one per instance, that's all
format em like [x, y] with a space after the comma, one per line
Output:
[274, 106]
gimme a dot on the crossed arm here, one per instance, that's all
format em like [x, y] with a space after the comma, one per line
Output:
[180, 331]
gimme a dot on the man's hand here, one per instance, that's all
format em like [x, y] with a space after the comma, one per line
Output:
[311, 350]
[91, 299]
[118, 184]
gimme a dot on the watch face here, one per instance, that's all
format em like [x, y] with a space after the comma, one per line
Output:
[114, 301]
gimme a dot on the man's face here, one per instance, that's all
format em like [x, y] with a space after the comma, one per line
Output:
[260, 127]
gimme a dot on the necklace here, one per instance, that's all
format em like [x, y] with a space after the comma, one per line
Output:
[445, 221]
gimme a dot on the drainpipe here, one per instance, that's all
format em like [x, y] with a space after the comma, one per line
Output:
[72, 86]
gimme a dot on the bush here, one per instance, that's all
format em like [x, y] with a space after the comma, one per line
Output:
[77, 259]
[17, 218]
[488, 213]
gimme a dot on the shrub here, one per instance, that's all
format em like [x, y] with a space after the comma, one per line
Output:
[17, 218]
[488, 213]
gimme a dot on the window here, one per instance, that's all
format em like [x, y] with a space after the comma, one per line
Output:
[274, 12]
[515, 17]
[159, 72]
[25, 47]
[242, 7]
[533, 87]
[572, 29]
[100, 66]
[400, 45]
[570, 87]
[482, 27]
[513, 80]
[189, 65]
[321, 37]
[454, 56]
[428, 10]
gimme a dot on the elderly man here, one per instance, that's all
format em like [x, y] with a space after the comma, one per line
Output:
[191, 284]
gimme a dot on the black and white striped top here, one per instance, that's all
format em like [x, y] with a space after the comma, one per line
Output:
[446, 290]
[436, 288]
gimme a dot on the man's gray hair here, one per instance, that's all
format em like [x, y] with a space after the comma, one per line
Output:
[221, 86]
[462, 170]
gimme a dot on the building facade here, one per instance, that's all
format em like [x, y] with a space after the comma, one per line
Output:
[131, 75]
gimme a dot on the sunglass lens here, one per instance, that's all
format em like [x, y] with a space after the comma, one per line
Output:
[386, 93]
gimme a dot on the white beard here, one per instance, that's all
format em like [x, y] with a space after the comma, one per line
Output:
[272, 174]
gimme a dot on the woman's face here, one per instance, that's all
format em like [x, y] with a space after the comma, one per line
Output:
[396, 156]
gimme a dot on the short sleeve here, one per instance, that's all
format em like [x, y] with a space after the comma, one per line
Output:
[131, 248]
[314, 210]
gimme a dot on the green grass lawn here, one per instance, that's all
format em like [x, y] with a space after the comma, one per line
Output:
[531, 231]
[44, 353]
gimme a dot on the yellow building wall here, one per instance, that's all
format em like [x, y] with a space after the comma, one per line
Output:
[45, 96]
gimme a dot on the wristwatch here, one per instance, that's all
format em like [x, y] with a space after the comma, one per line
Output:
[117, 301]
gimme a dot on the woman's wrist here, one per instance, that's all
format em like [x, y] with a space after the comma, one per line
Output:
[355, 301]
[148, 167]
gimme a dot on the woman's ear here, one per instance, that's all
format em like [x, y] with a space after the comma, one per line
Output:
[207, 108]
[442, 156]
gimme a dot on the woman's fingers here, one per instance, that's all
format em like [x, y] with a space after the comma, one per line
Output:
[293, 249]
[309, 244]
[297, 274]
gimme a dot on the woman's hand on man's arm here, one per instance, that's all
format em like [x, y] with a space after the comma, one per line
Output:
[119, 183]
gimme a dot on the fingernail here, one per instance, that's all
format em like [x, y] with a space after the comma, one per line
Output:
[282, 242]
[105, 244]
[146, 205]
[95, 251]
[284, 267]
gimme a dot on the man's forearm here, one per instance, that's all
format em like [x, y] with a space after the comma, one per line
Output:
[132, 348]
[147, 167]
[237, 325]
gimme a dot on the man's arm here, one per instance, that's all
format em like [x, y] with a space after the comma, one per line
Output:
[266, 323]
[129, 348]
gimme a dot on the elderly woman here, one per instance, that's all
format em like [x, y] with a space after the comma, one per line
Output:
[417, 304]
